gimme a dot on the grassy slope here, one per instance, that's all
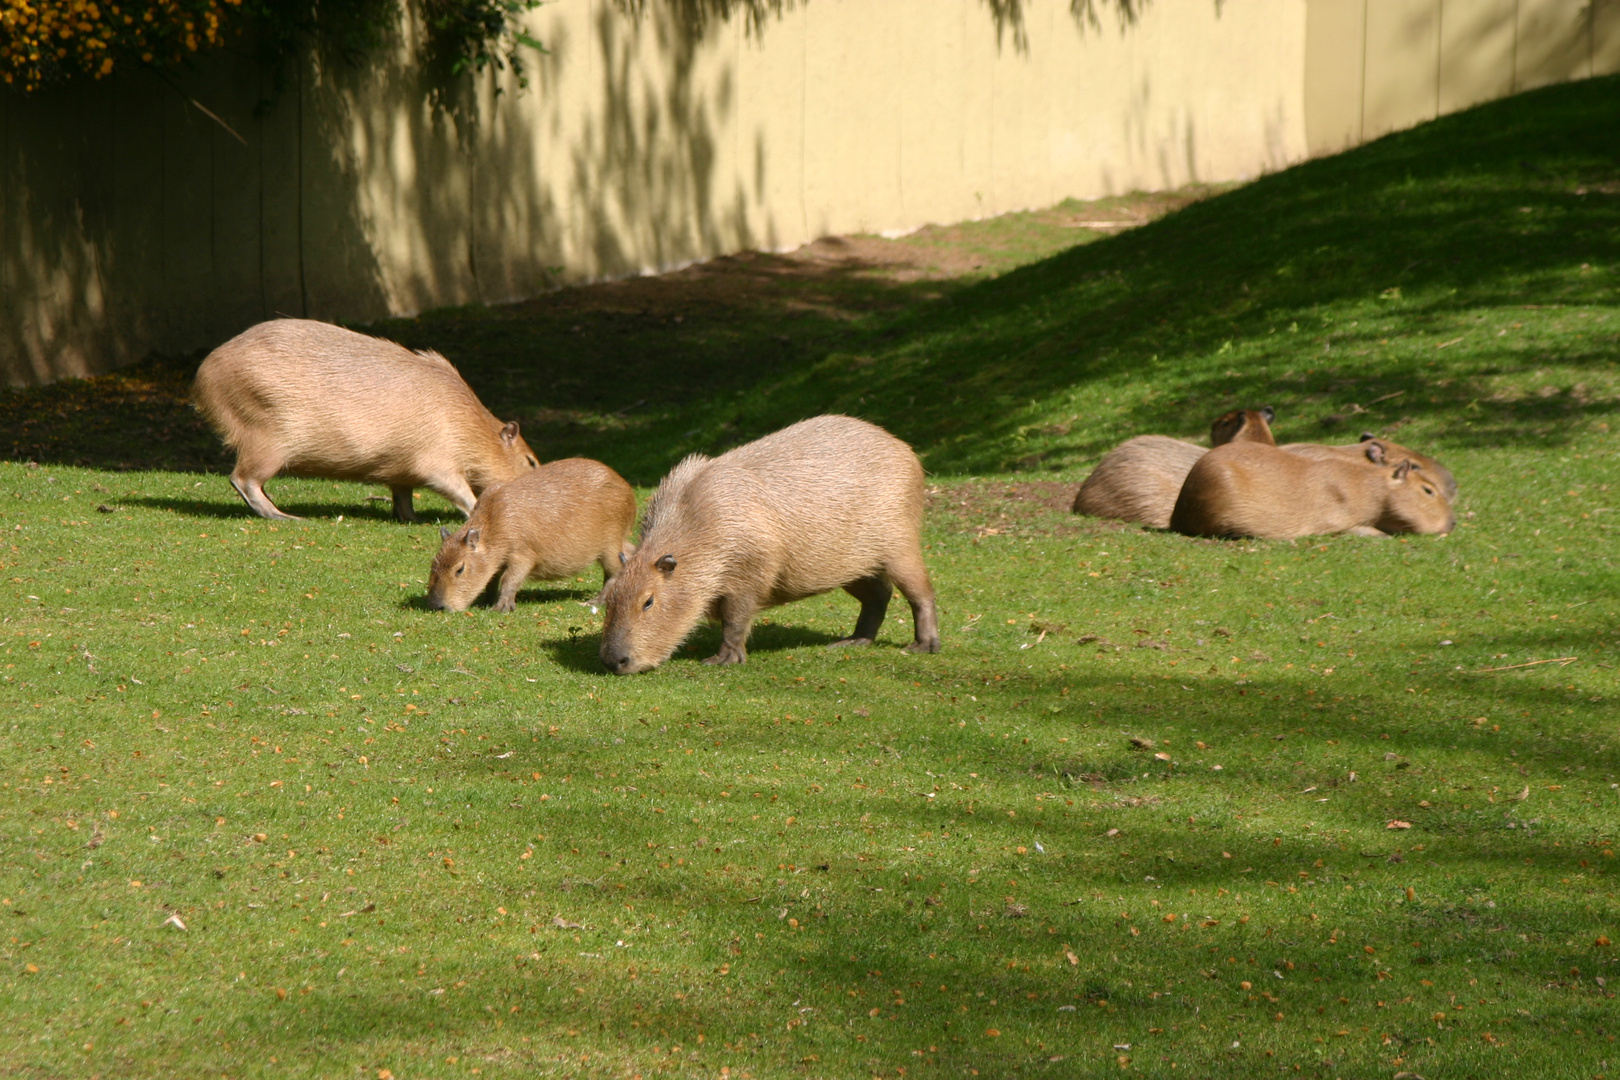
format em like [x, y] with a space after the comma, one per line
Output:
[368, 816]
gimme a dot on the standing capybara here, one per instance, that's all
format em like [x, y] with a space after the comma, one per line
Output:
[547, 524]
[1140, 479]
[311, 399]
[1357, 452]
[831, 502]
[1243, 490]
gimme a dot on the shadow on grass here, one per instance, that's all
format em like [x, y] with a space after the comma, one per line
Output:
[370, 510]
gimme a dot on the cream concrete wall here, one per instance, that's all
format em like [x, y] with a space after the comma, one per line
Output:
[130, 222]
[1376, 66]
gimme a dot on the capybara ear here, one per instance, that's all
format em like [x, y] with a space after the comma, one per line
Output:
[1269, 413]
[1375, 452]
[472, 538]
[444, 534]
[1402, 470]
[509, 432]
[666, 563]
[1366, 436]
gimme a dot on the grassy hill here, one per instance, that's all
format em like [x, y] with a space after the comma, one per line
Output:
[1161, 806]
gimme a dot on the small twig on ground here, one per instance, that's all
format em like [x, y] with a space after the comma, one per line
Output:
[1561, 661]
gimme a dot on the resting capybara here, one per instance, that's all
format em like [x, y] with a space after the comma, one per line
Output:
[547, 524]
[1243, 489]
[311, 399]
[831, 502]
[1140, 479]
[1392, 452]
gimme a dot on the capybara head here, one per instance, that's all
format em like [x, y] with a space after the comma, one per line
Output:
[647, 611]
[1434, 470]
[1414, 502]
[519, 458]
[461, 570]
[1243, 425]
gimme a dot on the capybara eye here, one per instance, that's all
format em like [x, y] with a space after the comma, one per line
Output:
[647, 604]
[533, 464]
[460, 568]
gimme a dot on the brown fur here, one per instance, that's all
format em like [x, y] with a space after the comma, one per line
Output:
[311, 399]
[1140, 479]
[828, 503]
[1393, 452]
[547, 524]
[1263, 491]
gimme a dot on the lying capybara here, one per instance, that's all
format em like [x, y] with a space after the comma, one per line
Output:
[311, 399]
[1243, 425]
[1392, 452]
[831, 502]
[547, 524]
[1244, 489]
[1140, 479]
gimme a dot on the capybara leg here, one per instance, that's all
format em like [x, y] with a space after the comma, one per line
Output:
[736, 618]
[403, 510]
[1365, 530]
[911, 578]
[456, 490]
[873, 593]
[511, 581]
[252, 492]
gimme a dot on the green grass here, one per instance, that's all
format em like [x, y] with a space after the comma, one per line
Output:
[371, 817]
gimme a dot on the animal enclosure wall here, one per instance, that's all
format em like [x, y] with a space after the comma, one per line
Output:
[656, 134]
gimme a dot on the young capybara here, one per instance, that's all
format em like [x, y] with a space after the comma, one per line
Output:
[311, 399]
[831, 502]
[1140, 479]
[1357, 452]
[547, 524]
[1243, 489]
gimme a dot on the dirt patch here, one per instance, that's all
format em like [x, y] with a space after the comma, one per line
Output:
[1013, 508]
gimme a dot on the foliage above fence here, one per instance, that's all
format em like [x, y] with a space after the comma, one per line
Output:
[48, 42]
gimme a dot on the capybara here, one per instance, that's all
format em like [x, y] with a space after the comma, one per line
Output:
[1392, 452]
[827, 503]
[1140, 479]
[1243, 425]
[1244, 489]
[311, 399]
[547, 524]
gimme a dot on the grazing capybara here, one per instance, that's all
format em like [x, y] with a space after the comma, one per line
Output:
[1244, 489]
[1392, 452]
[831, 502]
[307, 398]
[547, 524]
[1140, 479]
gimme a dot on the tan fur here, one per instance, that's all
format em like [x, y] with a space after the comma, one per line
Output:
[1140, 479]
[547, 524]
[1244, 489]
[1243, 425]
[828, 503]
[307, 398]
[1393, 452]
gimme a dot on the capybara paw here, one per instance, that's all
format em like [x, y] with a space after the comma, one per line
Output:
[504, 604]
[728, 656]
[850, 643]
[929, 646]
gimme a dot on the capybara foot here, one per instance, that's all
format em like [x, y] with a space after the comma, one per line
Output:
[506, 603]
[728, 655]
[929, 646]
[850, 643]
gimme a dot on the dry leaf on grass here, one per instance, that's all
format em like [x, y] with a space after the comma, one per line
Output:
[1398, 824]
[174, 921]
[1139, 743]
[563, 924]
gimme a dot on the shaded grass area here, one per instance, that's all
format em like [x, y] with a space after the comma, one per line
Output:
[428, 844]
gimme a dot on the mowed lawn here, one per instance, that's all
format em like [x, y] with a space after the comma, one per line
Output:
[1161, 806]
